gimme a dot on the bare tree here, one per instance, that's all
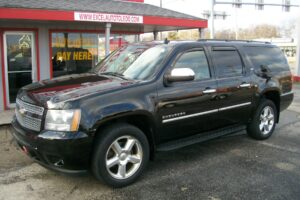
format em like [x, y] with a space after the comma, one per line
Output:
[173, 35]
[288, 28]
[260, 31]
[253, 32]
[225, 34]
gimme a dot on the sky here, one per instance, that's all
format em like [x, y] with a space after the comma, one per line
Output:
[242, 17]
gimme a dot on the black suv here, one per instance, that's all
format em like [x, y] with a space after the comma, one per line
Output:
[150, 97]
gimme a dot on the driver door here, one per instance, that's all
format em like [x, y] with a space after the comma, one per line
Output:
[188, 107]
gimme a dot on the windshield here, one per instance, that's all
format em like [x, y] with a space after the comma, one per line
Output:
[139, 62]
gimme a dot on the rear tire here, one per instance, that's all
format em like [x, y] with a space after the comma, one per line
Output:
[121, 154]
[264, 120]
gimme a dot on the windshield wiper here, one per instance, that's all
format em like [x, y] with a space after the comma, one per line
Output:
[114, 74]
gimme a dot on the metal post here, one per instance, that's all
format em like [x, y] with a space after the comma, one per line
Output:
[107, 38]
[137, 38]
[155, 33]
[200, 33]
[297, 71]
[212, 20]
[236, 28]
[160, 34]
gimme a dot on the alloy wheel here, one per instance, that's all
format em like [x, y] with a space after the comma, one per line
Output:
[124, 157]
[267, 120]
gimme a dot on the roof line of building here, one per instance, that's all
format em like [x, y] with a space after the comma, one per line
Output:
[105, 6]
[68, 15]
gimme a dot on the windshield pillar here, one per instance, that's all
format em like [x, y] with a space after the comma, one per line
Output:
[107, 38]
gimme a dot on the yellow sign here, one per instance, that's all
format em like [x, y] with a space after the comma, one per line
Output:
[76, 55]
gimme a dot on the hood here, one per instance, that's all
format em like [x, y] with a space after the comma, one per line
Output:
[71, 87]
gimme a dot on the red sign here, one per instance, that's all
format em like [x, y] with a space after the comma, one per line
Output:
[105, 17]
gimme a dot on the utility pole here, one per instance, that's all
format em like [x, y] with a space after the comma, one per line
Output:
[212, 19]
[297, 71]
[160, 34]
[236, 28]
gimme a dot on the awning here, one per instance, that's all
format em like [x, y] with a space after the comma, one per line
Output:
[140, 17]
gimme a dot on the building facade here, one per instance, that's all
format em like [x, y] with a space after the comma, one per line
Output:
[47, 38]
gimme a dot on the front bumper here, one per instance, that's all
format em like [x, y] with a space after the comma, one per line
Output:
[65, 152]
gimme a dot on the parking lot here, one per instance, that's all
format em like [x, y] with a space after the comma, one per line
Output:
[233, 167]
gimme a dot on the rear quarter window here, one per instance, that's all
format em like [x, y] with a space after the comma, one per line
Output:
[267, 56]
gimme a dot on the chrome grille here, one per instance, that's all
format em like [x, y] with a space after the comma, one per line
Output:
[30, 108]
[28, 115]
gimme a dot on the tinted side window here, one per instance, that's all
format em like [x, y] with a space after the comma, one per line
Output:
[268, 56]
[195, 60]
[227, 63]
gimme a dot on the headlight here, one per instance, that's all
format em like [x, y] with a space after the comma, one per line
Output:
[62, 120]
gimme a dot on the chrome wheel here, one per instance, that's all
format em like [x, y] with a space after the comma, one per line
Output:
[124, 157]
[267, 120]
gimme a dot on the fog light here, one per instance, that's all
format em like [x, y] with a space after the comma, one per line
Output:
[59, 163]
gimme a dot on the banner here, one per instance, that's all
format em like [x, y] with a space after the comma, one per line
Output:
[105, 17]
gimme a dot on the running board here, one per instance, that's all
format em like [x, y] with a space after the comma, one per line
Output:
[176, 144]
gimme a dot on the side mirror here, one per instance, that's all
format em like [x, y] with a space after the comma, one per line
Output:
[180, 74]
[264, 72]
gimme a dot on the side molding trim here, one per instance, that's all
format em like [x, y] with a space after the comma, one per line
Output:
[189, 116]
[234, 106]
[206, 112]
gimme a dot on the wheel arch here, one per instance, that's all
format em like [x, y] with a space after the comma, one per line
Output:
[140, 119]
[274, 96]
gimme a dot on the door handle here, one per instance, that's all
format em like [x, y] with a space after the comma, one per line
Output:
[244, 85]
[209, 91]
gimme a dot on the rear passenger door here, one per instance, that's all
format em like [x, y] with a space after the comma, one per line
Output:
[235, 90]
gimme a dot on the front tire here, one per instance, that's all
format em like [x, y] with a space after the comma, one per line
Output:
[264, 121]
[121, 154]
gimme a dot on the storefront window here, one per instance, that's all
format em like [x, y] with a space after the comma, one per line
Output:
[116, 41]
[74, 53]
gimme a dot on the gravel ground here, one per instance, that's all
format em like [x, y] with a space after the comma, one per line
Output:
[234, 167]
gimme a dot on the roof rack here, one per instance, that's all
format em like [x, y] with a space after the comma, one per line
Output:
[220, 40]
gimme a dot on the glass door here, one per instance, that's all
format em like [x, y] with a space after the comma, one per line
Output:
[20, 62]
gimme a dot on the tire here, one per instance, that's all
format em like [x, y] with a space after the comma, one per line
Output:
[117, 146]
[263, 129]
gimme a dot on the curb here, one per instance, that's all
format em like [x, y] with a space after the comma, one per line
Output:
[5, 125]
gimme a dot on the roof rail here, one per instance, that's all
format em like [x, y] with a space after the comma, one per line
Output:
[225, 40]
